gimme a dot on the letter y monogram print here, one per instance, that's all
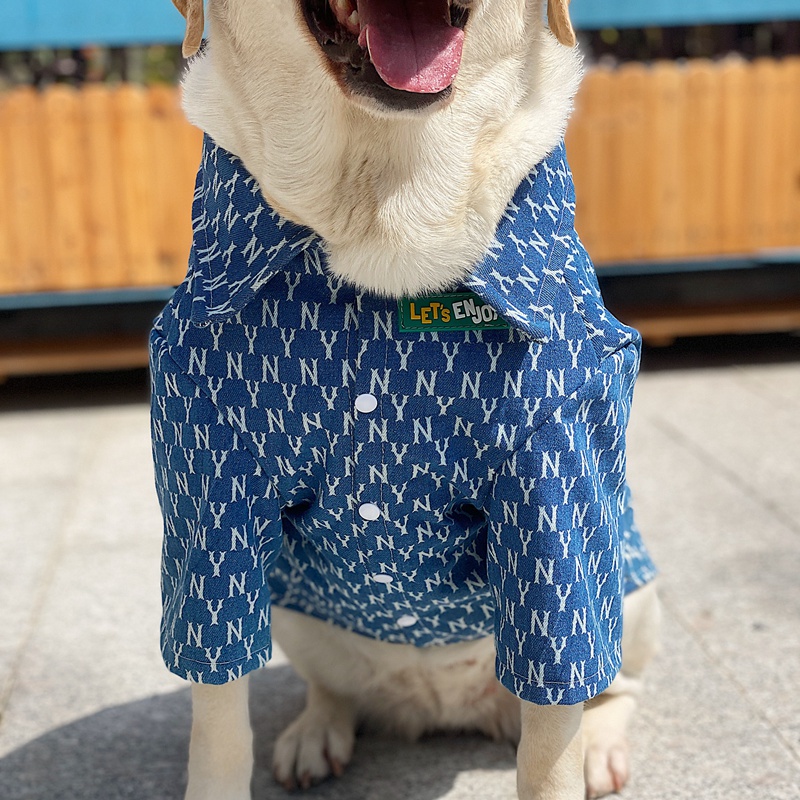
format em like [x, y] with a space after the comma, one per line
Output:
[416, 486]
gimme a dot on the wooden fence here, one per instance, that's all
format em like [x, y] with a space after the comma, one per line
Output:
[95, 188]
[670, 161]
[675, 161]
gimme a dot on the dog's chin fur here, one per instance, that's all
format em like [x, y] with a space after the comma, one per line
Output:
[407, 202]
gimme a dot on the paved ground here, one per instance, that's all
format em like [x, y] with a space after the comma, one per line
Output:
[89, 712]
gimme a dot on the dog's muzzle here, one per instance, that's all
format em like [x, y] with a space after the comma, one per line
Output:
[405, 54]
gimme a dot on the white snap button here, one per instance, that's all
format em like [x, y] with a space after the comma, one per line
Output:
[369, 511]
[366, 403]
[382, 578]
[407, 620]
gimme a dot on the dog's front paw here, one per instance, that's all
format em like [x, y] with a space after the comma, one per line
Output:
[317, 744]
[606, 766]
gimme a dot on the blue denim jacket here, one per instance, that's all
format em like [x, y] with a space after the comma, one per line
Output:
[423, 487]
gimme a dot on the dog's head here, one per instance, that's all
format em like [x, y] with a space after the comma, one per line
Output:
[401, 55]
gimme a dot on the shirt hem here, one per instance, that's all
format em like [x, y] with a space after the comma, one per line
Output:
[550, 693]
[216, 673]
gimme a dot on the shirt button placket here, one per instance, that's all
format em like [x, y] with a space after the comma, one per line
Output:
[368, 423]
[367, 403]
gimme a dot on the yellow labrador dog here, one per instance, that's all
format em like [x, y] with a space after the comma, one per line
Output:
[398, 131]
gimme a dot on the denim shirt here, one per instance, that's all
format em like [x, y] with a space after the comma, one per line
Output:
[415, 486]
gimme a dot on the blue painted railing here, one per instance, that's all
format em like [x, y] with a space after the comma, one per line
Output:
[591, 14]
[68, 23]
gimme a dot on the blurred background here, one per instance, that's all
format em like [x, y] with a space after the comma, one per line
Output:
[685, 146]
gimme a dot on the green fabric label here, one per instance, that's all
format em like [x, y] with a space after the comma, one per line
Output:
[461, 311]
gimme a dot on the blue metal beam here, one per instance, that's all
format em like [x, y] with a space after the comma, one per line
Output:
[27, 24]
[87, 297]
[589, 14]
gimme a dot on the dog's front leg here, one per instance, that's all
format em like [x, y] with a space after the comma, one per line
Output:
[221, 750]
[550, 754]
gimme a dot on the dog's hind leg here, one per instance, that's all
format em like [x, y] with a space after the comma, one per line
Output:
[221, 750]
[606, 753]
[320, 741]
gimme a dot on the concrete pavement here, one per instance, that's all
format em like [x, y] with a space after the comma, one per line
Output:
[89, 712]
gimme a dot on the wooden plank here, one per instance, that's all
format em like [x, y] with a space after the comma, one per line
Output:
[632, 153]
[103, 185]
[792, 108]
[735, 147]
[702, 166]
[665, 326]
[173, 190]
[785, 166]
[765, 159]
[592, 168]
[577, 144]
[69, 266]
[136, 194]
[72, 355]
[611, 165]
[28, 182]
[7, 265]
[664, 175]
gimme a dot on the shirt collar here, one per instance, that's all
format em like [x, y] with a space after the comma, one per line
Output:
[240, 242]
[534, 242]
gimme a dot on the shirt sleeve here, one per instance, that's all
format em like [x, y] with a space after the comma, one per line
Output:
[554, 545]
[221, 534]
[638, 567]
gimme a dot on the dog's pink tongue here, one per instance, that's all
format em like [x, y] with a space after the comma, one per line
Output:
[411, 43]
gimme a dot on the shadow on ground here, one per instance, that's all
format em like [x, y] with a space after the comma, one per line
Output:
[137, 751]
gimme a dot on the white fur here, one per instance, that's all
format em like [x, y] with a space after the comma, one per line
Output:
[406, 203]
[410, 691]
[402, 689]
[221, 749]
